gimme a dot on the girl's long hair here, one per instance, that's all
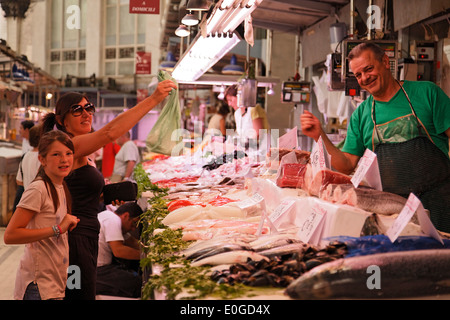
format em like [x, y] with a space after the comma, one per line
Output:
[44, 144]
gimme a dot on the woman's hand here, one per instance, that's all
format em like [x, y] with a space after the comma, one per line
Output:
[162, 90]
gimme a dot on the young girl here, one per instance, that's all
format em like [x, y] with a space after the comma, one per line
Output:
[41, 221]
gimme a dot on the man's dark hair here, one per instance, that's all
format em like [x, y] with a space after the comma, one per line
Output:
[131, 207]
[360, 48]
[27, 124]
[231, 91]
[35, 136]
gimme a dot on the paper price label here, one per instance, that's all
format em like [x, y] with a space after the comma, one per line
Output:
[310, 225]
[282, 208]
[249, 202]
[319, 157]
[367, 168]
[289, 140]
[412, 205]
[403, 218]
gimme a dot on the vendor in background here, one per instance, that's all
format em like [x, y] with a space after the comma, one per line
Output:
[24, 132]
[406, 124]
[116, 247]
[217, 123]
[248, 120]
[108, 158]
[126, 159]
[29, 166]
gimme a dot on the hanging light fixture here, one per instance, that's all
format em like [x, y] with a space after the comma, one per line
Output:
[182, 31]
[229, 14]
[221, 95]
[233, 67]
[189, 19]
[202, 54]
[169, 63]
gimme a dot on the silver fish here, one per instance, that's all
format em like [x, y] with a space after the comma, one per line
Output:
[416, 273]
[231, 257]
[275, 243]
[298, 247]
[375, 201]
[225, 247]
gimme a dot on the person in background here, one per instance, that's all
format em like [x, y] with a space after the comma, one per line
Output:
[24, 132]
[217, 123]
[29, 166]
[108, 158]
[74, 115]
[249, 121]
[115, 243]
[406, 124]
[126, 159]
[42, 220]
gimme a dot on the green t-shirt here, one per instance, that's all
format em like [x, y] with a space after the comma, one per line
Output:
[431, 104]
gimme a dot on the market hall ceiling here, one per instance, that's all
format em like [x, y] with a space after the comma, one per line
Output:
[290, 16]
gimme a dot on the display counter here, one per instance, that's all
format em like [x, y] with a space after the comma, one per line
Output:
[228, 223]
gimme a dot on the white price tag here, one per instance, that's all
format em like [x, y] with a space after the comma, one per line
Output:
[412, 205]
[368, 168]
[251, 201]
[289, 140]
[309, 226]
[281, 209]
[320, 159]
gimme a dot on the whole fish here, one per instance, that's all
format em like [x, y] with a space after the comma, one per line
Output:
[298, 247]
[232, 257]
[275, 243]
[269, 238]
[401, 274]
[217, 241]
[224, 247]
[375, 201]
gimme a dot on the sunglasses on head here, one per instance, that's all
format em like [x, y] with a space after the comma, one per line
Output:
[77, 110]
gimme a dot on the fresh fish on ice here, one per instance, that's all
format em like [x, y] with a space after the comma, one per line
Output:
[232, 257]
[372, 200]
[218, 250]
[401, 274]
[217, 241]
[291, 248]
[275, 243]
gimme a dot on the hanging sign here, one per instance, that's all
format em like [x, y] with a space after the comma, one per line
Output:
[143, 62]
[144, 6]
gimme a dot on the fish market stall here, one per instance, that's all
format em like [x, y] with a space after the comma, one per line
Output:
[227, 227]
[9, 164]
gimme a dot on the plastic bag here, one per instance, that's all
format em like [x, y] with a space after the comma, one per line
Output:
[165, 134]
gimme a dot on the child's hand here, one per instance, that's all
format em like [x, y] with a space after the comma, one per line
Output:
[69, 223]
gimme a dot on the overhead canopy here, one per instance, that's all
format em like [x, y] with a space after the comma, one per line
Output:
[289, 16]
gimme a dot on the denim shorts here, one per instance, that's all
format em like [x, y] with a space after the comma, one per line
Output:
[32, 292]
